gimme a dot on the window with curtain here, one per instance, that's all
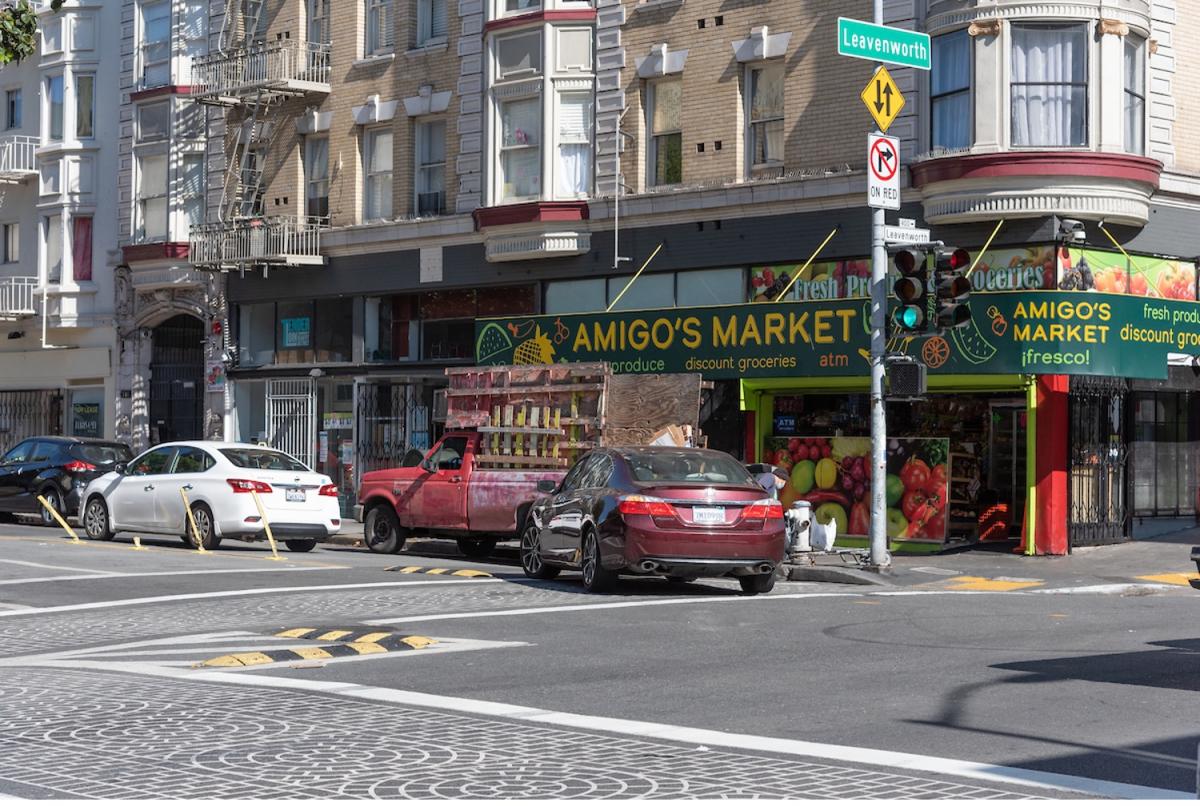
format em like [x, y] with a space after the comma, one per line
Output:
[54, 101]
[950, 91]
[1049, 85]
[53, 229]
[156, 43]
[431, 21]
[666, 137]
[85, 106]
[151, 197]
[12, 243]
[52, 41]
[520, 149]
[765, 131]
[379, 27]
[12, 101]
[574, 170]
[1135, 95]
[519, 55]
[431, 167]
[378, 158]
[316, 176]
[81, 248]
[191, 192]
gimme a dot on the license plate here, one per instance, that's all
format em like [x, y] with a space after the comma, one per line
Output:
[295, 495]
[708, 514]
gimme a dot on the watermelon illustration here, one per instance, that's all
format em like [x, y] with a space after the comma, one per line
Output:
[972, 344]
[492, 344]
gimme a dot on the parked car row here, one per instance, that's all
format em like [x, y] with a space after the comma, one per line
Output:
[106, 491]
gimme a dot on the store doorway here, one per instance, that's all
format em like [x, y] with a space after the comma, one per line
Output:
[177, 380]
[1007, 458]
[1097, 456]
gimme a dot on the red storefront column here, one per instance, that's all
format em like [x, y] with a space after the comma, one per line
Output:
[1052, 436]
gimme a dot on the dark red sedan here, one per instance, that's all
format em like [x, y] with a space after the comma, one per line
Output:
[682, 513]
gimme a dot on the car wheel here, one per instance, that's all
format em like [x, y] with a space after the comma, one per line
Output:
[757, 583]
[476, 549]
[52, 495]
[203, 517]
[382, 532]
[596, 578]
[300, 545]
[531, 555]
[95, 520]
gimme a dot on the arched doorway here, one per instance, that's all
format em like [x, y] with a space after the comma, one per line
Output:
[177, 380]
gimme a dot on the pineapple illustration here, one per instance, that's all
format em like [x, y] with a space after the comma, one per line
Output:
[537, 350]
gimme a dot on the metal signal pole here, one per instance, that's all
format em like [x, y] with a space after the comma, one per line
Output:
[880, 557]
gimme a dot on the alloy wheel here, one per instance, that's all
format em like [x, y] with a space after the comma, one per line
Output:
[95, 519]
[203, 525]
[531, 551]
[591, 556]
[52, 497]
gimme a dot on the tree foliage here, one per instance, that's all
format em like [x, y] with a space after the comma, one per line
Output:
[18, 30]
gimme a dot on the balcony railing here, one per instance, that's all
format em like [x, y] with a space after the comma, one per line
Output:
[286, 66]
[276, 241]
[17, 297]
[16, 158]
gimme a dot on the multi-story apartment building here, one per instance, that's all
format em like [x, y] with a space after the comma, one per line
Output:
[58, 153]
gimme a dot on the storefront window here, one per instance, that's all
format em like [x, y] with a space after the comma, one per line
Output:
[391, 328]
[650, 291]
[508, 301]
[710, 287]
[256, 334]
[294, 333]
[335, 324]
[576, 296]
[1165, 452]
[87, 413]
[451, 340]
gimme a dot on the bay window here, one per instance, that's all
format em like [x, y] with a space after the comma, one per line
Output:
[54, 103]
[950, 91]
[519, 55]
[191, 189]
[520, 149]
[1049, 85]
[316, 177]
[1135, 95]
[85, 105]
[156, 43]
[666, 137]
[432, 24]
[377, 158]
[430, 181]
[52, 227]
[765, 133]
[522, 5]
[151, 197]
[574, 169]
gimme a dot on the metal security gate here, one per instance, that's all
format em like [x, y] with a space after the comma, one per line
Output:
[392, 419]
[1098, 500]
[177, 380]
[292, 417]
[29, 414]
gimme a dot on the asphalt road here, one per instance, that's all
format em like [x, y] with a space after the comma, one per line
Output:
[537, 689]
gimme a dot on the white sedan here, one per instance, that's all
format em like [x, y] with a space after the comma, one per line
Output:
[218, 479]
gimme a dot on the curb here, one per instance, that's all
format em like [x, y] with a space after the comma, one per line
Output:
[829, 573]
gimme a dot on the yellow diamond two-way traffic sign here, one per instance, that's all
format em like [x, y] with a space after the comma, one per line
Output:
[882, 98]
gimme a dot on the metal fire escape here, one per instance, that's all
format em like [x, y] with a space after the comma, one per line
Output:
[253, 79]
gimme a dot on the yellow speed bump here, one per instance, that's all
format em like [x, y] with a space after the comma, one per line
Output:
[417, 569]
[393, 643]
[998, 585]
[1172, 579]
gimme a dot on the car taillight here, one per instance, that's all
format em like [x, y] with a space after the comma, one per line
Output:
[329, 489]
[244, 486]
[766, 509]
[78, 467]
[645, 505]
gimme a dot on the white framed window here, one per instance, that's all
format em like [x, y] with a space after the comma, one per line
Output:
[377, 166]
[12, 107]
[520, 6]
[519, 55]
[11, 243]
[191, 191]
[432, 23]
[1135, 95]
[379, 27]
[665, 154]
[521, 149]
[151, 197]
[430, 181]
[52, 34]
[156, 43]
[764, 132]
[83, 33]
[85, 105]
[51, 174]
[318, 22]
[153, 121]
[1049, 85]
[316, 176]
[950, 91]
[573, 169]
[52, 231]
[54, 107]
[574, 50]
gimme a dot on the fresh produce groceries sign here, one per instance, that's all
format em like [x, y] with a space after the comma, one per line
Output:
[1038, 332]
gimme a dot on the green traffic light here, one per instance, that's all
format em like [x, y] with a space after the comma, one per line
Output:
[908, 317]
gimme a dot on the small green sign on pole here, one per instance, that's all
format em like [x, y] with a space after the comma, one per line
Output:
[879, 43]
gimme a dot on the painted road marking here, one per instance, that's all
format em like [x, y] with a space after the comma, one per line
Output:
[419, 569]
[1172, 579]
[396, 643]
[53, 567]
[183, 597]
[995, 585]
[1121, 588]
[206, 572]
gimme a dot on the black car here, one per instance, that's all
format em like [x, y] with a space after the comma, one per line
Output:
[58, 468]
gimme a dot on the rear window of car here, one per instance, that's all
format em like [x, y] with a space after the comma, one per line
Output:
[102, 454]
[685, 465]
[262, 459]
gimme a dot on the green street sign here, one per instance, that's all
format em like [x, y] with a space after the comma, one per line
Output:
[879, 43]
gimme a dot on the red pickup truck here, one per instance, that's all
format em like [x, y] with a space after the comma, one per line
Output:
[448, 495]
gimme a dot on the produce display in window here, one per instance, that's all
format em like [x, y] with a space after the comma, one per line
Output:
[834, 475]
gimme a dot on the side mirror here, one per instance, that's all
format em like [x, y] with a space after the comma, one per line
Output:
[546, 486]
[121, 468]
[427, 465]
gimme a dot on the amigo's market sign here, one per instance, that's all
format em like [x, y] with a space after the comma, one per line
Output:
[1040, 332]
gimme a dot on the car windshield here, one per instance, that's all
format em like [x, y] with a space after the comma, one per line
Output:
[103, 453]
[686, 465]
[262, 459]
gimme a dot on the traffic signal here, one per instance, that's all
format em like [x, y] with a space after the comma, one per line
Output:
[952, 288]
[911, 291]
